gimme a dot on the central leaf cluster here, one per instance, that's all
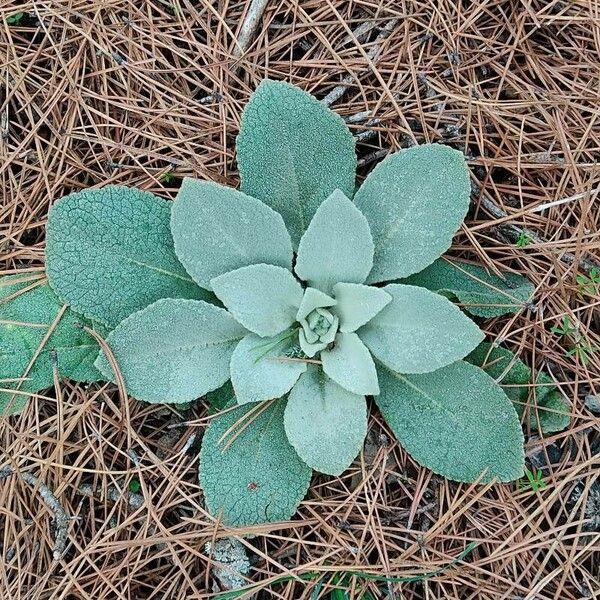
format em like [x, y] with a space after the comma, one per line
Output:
[312, 323]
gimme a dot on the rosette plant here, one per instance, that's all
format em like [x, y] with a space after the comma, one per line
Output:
[310, 295]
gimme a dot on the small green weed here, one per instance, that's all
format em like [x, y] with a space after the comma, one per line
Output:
[589, 284]
[565, 329]
[533, 480]
[523, 240]
[15, 18]
[168, 177]
[582, 350]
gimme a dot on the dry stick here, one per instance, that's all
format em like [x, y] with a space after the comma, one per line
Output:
[513, 232]
[134, 500]
[247, 32]
[61, 517]
[337, 92]
[249, 27]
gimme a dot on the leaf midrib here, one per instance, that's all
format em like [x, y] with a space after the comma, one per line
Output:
[92, 246]
[193, 346]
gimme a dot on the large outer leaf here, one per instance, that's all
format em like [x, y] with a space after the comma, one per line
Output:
[263, 298]
[293, 152]
[173, 350]
[218, 229]
[337, 245]
[414, 200]
[419, 331]
[24, 322]
[258, 374]
[481, 293]
[456, 421]
[109, 253]
[515, 376]
[257, 478]
[325, 423]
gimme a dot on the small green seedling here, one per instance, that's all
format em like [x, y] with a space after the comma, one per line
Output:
[580, 347]
[292, 301]
[589, 284]
[134, 485]
[565, 328]
[523, 240]
[582, 350]
[533, 480]
[15, 18]
[168, 177]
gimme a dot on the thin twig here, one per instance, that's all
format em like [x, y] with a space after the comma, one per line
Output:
[115, 495]
[337, 92]
[372, 157]
[61, 518]
[249, 27]
[546, 205]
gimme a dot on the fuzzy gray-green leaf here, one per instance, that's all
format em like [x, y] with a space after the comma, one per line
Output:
[547, 404]
[358, 304]
[419, 331]
[260, 371]
[174, 350]
[109, 253]
[293, 152]
[479, 292]
[25, 319]
[252, 475]
[337, 245]
[263, 298]
[414, 200]
[217, 229]
[350, 365]
[455, 421]
[325, 423]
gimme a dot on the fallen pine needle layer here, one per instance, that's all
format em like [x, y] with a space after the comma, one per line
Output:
[98, 497]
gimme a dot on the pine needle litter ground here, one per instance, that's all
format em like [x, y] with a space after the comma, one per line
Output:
[99, 497]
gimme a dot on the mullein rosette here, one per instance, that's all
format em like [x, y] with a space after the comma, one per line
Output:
[301, 290]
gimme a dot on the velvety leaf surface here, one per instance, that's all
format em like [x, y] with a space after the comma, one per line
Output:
[414, 200]
[325, 423]
[218, 229]
[358, 304]
[293, 152]
[24, 322]
[548, 406]
[350, 365]
[257, 478]
[256, 372]
[263, 298]
[455, 421]
[419, 331]
[109, 253]
[337, 245]
[479, 292]
[312, 299]
[173, 350]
